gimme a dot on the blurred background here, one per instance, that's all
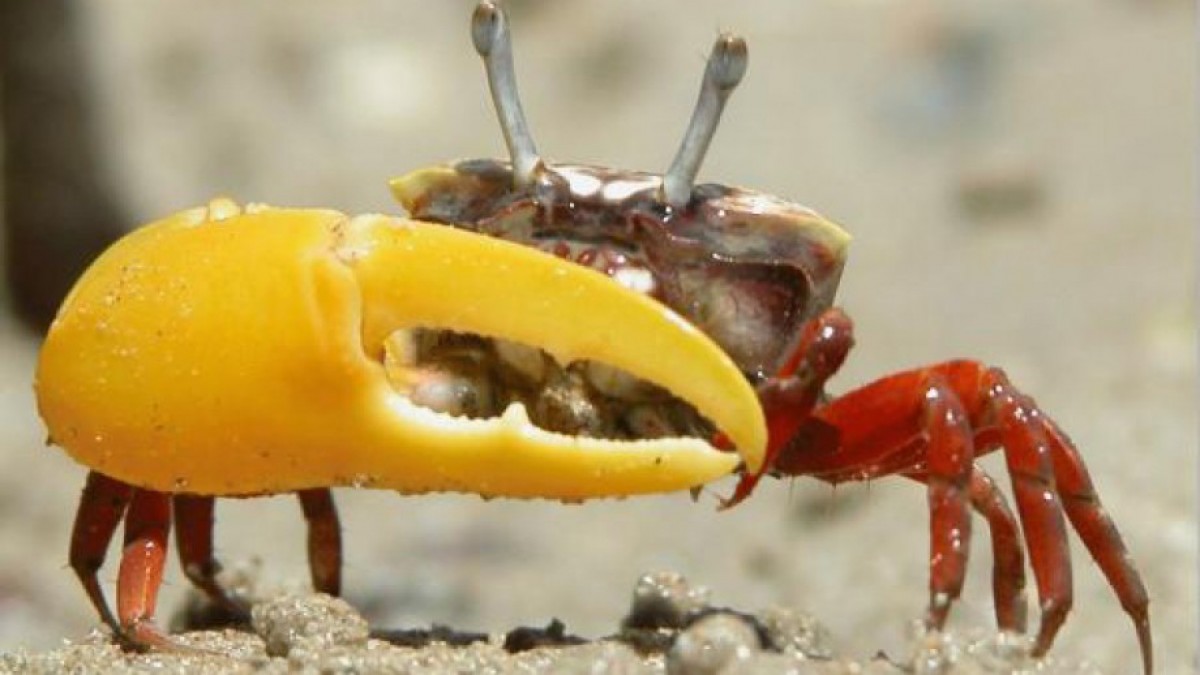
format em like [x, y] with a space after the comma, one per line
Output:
[1019, 178]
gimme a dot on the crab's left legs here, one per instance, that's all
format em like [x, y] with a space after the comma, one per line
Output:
[906, 423]
[1008, 565]
[1099, 533]
[949, 463]
[1045, 464]
[1031, 470]
[913, 424]
[1008, 558]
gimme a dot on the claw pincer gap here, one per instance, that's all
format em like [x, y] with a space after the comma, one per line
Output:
[477, 377]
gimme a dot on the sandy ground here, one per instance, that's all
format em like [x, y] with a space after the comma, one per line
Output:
[1019, 179]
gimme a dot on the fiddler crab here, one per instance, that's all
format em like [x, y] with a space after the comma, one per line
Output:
[528, 330]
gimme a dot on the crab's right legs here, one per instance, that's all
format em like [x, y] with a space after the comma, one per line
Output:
[101, 509]
[194, 528]
[147, 515]
[147, 526]
[194, 539]
[324, 540]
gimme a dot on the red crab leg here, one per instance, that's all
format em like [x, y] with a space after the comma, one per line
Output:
[194, 540]
[878, 430]
[942, 456]
[101, 509]
[1032, 472]
[1008, 570]
[949, 462]
[147, 526]
[1008, 565]
[1100, 535]
[324, 540]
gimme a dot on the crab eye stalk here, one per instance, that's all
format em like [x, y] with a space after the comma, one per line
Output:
[489, 31]
[726, 66]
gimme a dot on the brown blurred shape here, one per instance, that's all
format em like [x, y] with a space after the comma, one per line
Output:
[58, 212]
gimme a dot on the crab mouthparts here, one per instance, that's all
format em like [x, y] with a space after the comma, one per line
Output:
[544, 367]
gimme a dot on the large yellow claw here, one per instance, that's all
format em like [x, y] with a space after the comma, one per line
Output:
[224, 351]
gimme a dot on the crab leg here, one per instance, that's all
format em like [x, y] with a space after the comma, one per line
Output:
[194, 529]
[950, 458]
[147, 526]
[104, 504]
[324, 540]
[1008, 571]
[883, 428]
[1099, 533]
[194, 541]
[101, 509]
[941, 457]
[1033, 482]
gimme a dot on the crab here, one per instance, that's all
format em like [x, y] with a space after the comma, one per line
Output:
[527, 330]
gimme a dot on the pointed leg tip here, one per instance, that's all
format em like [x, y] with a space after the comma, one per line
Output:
[146, 636]
[1145, 644]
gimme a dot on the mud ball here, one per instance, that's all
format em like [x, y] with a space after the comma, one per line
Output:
[311, 623]
[713, 645]
[788, 630]
[664, 600]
